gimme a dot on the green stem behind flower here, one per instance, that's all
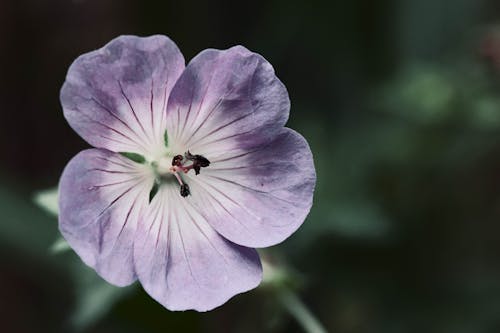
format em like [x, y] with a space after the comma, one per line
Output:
[300, 312]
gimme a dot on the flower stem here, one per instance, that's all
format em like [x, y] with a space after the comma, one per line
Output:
[300, 312]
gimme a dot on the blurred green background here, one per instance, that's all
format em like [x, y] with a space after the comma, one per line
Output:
[400, 102]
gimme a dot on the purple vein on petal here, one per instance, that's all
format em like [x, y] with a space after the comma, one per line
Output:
[259, 148]
[226, 138]
[178, 113]
[208, 194]
[169, 243]
[203, 98]
[123, 225]
[235, 157]
[114, 162]
[164, 106]
[241, 167]
[221, 127]
[214, 108]
[249, 212]
[133, 111]
[113, 139]
[114, 201]
[114, 171]
[187, 114]
[105, 209]
[162, 222]
[201, 123]
[132, 206]
[137, 138]
[186, 257]
[128, 215]
[250, 188]
[151, 109]
[237, 204]
[159, 205]
[108, 127]
[193, 220]
[116, 183]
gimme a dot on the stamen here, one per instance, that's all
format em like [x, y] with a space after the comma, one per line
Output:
[184, 187]
[177, 167]
[177, 160]
[199, 161]
[185, 190]
[179, 179]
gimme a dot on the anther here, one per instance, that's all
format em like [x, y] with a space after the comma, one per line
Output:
[199, 161]
[185, 190]
[178, 167]
[177, 160]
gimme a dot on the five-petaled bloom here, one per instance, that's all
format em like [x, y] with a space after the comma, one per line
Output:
[192, 169]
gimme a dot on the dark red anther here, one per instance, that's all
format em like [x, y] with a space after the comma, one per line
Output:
[199, 161]
[185, 190]
[177, 160]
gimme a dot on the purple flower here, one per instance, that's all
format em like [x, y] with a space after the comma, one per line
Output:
[193, 169]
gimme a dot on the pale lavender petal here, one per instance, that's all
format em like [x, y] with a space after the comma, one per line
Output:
[115, 97]
[101, 198]
[226, 100]
[230, 107]
[258, 197]
[183, 263]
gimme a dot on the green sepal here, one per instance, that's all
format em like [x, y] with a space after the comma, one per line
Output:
[153, 191]
[165, 138]
[134, 157]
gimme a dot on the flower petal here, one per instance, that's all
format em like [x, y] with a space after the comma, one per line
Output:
[260, 197]
[115, 97]
[183, 263]
[224, 100]
[102, 196]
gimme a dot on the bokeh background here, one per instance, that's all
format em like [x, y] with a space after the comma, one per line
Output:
[400, 102]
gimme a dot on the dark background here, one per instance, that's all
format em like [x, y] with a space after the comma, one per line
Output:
[400, 102]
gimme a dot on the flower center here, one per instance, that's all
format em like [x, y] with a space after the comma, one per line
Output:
[178, 165]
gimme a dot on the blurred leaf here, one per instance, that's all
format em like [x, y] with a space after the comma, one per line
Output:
[23, 225]
[445, 25]
[272, 274]
[276, 274]
[358, 219]
[420, 92]
[60, 245]
[95, 297]
[47, 199]
[485, 112]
